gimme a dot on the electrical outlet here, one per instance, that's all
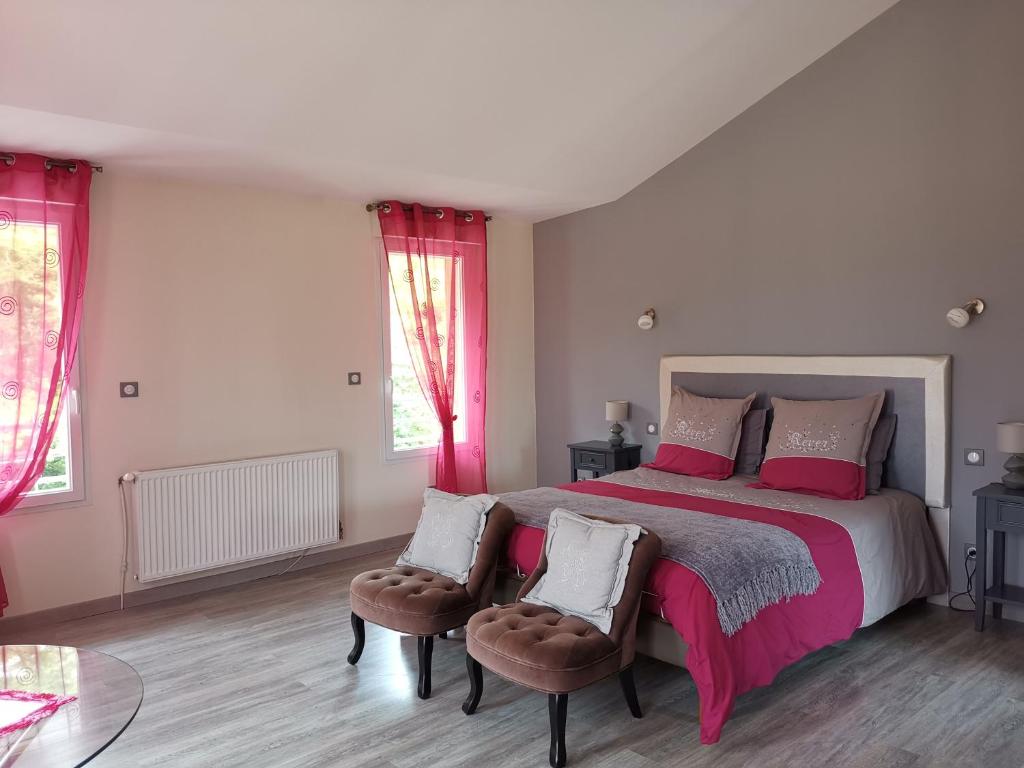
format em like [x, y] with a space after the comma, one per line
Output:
[974, 457]
[355, 378]
[970, 552]
[652, 427]
[129, 388]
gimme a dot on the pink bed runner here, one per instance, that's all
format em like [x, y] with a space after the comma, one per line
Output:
[20, 709]
[724, 667]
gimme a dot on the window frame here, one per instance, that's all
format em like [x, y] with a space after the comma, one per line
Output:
[391, 455]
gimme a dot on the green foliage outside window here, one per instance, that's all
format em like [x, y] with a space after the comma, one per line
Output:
[414, 422]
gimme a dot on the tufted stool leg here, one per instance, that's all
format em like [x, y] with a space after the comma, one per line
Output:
[476, 685]
[558, 707]
[425, 649]
[359, 631]
[629, 689]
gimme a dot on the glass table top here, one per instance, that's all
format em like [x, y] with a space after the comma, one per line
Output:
[109, 694]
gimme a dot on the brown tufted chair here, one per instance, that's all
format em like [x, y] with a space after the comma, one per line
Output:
[545, 650]
[419, 602]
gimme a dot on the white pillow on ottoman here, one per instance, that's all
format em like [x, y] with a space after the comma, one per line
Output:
[448, 533]
[587, 565]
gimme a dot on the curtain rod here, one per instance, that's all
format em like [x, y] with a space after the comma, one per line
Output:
[9, 158]
[386, 207]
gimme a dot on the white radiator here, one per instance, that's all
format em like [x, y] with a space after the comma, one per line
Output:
[196, 518]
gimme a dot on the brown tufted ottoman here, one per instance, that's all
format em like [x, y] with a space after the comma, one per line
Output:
[419, 602]
[538, 647]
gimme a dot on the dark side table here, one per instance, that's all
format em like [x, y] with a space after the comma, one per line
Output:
[602, 458]
[1001, 511]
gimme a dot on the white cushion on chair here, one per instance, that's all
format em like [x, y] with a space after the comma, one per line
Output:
[448, 533]
[587, 565]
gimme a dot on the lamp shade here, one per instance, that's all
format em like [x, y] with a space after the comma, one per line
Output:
[1010, 437]
[616, 410]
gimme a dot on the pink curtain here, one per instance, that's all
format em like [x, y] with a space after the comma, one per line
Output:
[44, 246]
[437, 261]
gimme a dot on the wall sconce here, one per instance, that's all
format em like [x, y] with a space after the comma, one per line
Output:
[959, 317]
[646, 320]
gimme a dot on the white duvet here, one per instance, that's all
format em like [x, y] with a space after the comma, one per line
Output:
[896, 550]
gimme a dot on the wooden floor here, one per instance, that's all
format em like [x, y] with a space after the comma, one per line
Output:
[255, 675]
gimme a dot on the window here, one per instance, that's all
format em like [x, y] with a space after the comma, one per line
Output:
[411, 428]
[63, 478]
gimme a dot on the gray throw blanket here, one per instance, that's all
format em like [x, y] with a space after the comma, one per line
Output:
[746, 565]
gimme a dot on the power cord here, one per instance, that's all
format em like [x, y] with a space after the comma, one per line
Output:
[970, 586]
[295, 562]
[123, 480]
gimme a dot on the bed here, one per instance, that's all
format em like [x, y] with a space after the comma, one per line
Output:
[873, 555]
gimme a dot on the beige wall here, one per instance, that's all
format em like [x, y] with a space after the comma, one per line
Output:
[240, 313]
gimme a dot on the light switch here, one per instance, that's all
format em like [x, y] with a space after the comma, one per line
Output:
[974, 457]
[129, 389]
[652, 427]
[355, 377]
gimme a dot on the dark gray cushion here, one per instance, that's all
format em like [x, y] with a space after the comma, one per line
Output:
[751, 448]
[878, 450]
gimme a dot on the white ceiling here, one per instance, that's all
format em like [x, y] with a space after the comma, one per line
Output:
[528, 107]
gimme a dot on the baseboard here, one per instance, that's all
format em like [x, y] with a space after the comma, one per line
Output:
[194, 586]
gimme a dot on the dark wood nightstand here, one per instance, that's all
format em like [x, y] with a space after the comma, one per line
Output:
[1000, 510]
[602, 458]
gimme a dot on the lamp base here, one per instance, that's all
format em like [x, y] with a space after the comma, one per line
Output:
[1014, 477]
[616, 435]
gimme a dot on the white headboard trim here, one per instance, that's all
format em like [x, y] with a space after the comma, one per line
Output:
[934, 370]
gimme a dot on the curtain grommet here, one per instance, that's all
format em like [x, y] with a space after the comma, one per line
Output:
[386, 208]
[469, 218]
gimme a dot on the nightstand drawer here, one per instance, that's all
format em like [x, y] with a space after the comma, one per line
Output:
[588, 460]
[598, 458]
[1009, 515]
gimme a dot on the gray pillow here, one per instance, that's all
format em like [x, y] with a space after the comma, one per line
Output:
[448, 533]
[878, 450]
[587, 565]
[751, 449]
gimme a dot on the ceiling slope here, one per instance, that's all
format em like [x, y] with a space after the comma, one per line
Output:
[530, 108]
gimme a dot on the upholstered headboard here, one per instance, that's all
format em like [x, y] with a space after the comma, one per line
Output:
[916, 387]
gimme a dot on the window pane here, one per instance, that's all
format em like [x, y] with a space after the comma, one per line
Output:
[38, 292]
[414, 424]
[413, 420]
[56, 476]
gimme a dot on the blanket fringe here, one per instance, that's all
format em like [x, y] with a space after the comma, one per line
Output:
[771, 586]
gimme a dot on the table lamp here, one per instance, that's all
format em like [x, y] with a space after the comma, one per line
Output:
[616, 411]
[1010, 439]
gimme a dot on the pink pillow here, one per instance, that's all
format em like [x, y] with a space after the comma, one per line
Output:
[820, 446]
[701, 435]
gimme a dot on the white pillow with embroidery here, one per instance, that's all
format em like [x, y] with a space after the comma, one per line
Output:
[448, 533]
[587, 565]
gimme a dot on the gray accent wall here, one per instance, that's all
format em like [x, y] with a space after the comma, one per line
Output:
[844, 213]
